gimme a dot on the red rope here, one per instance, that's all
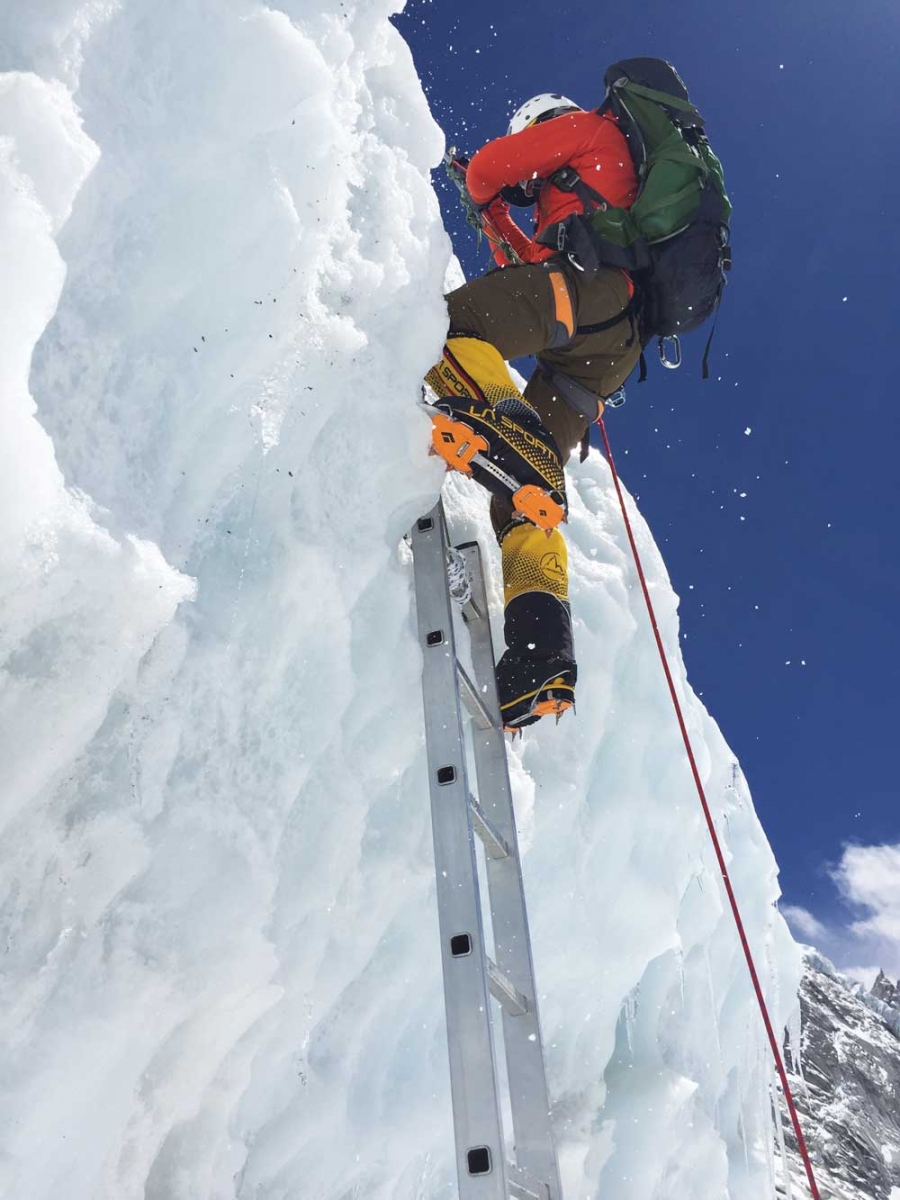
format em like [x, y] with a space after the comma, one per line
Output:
[773, 1041]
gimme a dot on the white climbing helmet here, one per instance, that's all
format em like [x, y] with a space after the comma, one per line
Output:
[538, 108]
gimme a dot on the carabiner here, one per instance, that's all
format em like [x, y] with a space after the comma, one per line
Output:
[669, 363]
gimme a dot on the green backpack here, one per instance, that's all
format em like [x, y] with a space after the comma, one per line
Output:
[674, 238]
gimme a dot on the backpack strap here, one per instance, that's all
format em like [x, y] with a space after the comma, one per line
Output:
[705, 371]
[567, 179]
[574, 236]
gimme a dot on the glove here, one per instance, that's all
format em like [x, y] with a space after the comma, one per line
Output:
[496, 208]
[521, 195]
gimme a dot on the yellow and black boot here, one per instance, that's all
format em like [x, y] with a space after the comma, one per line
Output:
[536, 676]
[484, 427]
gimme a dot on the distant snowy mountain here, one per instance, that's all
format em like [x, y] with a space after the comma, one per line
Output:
[850, 1091]
[222, 264]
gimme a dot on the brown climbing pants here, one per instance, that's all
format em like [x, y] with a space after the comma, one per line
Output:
[523, 310]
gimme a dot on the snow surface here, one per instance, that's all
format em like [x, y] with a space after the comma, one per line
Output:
[223, 264]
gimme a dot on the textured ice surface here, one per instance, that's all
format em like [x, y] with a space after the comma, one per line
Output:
[222, 262]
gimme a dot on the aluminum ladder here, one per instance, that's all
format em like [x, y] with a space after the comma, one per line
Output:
[487, 1168]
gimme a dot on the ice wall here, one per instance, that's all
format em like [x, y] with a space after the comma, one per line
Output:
[222, 265]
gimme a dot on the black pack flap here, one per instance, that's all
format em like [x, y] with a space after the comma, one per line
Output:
[653, 73]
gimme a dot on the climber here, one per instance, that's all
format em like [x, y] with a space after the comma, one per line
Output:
[583, 332]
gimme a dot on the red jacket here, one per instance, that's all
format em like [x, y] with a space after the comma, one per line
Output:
[592, 144]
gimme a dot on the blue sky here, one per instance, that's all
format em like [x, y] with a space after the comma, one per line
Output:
[781, 541]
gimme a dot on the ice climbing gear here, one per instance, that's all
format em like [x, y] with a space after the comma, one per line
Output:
[459, 584]
[484, 427]
[455, 441]
[541, 108]
[487, 1167]
[463, 450]
[710, 824]
[532, 688]
[673, 240]
[455, 166]
[582, 399]
[590, 141]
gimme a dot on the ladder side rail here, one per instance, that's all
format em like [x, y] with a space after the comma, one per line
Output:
[529, 1095]
[480, 1152]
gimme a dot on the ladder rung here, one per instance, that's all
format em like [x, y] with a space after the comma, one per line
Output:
[472, 612]
[518, 1192]
[505, 991]
[494, 844]
[521, 1186]
[473, 702]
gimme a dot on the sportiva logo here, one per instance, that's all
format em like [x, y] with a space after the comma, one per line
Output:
[456, 385]
[490, 416]
[553, 568]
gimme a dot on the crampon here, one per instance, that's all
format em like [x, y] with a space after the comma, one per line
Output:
[506, 449]
[530, 689]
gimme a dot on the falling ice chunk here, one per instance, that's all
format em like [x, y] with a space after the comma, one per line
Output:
[747, 431]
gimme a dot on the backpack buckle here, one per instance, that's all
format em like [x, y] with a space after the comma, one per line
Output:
[671, 364]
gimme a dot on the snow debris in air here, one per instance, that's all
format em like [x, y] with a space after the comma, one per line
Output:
[225, 772]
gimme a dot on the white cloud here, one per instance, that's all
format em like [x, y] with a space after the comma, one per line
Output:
[803, 922]
[868, 880]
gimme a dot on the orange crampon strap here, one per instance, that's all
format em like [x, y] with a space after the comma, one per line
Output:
[538, 506]
[455, 442]
[544, 708]
[551, 708]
